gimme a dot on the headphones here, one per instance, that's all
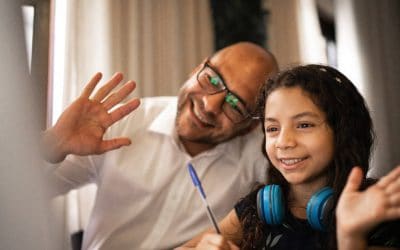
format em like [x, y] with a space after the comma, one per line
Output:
[271, 210]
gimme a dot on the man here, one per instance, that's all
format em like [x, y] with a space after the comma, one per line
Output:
[145, 198]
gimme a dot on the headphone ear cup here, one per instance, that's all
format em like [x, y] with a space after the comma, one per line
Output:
[270, 205]
[319, 208]
[260, 205]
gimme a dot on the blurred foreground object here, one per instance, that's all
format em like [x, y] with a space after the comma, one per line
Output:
[24, 211]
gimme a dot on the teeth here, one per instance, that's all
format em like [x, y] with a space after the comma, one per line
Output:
[291, 161]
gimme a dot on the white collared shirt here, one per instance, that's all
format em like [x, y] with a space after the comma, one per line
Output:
[145, 196]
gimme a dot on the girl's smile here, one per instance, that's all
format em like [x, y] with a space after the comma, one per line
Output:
[292, 163]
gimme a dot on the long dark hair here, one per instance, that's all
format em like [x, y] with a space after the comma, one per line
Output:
[347, 115]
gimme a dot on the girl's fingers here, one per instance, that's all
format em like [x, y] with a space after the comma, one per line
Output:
[87, 91]
[393, 213]
[233, 246]
[354, 180]
[390, 178]
[214, 240]
[394, 199]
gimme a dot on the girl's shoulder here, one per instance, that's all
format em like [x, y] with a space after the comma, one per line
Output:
[248, 203]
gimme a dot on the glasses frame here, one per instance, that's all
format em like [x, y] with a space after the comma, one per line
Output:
[225, 88]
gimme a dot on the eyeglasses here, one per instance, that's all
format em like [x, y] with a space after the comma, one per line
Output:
[212, 83]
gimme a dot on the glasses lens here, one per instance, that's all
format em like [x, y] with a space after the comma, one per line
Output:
[234, 108]
[210, 81]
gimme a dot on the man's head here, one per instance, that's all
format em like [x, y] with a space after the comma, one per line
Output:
[216, 103]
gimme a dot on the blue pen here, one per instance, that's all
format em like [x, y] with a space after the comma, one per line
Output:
[197, 184]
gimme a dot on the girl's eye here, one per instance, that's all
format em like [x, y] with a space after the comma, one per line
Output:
[271, 129]
[305, 125]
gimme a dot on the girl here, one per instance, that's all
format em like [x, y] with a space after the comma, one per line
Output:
[317, 128]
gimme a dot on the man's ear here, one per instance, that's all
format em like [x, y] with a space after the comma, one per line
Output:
[253, 124]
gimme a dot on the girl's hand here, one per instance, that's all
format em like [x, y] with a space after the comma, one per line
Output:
[359, 212]
[215, 242]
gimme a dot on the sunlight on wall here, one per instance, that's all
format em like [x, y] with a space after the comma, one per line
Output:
[28, 13]
[60, 18]
[350, 59]
[311, 42]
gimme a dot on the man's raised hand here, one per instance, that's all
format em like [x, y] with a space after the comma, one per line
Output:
[81, 127]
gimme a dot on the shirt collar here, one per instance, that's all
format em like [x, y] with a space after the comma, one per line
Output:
[164, 123]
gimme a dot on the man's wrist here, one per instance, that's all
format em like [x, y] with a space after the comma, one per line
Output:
[51, 147]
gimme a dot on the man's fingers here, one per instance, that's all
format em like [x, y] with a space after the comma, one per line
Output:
[112, 144]
[91, 85]
[122, 111]
[115, 98]
[106, 89]
[354, 180]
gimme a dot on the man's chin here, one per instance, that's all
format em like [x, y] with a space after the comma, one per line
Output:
[191, 133]
[197, 138]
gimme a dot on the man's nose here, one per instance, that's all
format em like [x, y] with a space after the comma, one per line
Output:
[213, 103]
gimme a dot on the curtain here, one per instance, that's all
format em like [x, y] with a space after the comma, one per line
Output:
[369, 54]
[294, 34]
[156, 43]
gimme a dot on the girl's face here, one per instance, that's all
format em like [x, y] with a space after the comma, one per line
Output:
[299, 142]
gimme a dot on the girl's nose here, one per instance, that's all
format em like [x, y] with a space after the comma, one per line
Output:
[286, 139]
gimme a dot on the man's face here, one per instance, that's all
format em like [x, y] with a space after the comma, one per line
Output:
[205, 118]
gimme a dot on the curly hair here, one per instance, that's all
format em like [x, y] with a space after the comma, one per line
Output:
[348, 117]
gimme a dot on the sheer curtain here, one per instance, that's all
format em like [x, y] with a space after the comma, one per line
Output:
[156, 43]
[294, 33]
[369, 54]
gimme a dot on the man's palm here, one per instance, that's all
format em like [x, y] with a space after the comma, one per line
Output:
[81, 127]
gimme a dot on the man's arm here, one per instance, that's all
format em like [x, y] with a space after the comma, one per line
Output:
[81, 127]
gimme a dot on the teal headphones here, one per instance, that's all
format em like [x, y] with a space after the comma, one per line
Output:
[271, 209]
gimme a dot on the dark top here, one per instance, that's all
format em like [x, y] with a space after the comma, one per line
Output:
[296, 233]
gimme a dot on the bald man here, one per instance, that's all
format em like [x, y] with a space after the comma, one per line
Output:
[145, 196]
